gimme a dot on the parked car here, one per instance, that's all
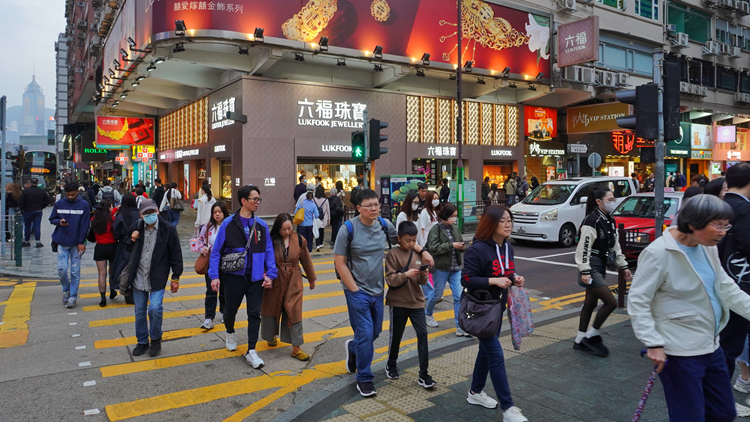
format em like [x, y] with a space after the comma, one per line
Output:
[555, 209]
[638, 215]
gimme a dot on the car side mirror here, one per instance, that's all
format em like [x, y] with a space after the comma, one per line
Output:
[584, 199]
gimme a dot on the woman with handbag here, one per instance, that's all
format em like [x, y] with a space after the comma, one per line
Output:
[207, 235]
[305, 229]
[489, 267]
[172, 205]
[126, 217]
[204, 207]
[282, 303]
[325, 219]
[106, 247]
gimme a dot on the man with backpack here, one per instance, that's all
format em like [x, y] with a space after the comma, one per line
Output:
[358, 257]
[108, 193]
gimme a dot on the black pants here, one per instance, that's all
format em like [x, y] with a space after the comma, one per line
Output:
[335, 226]
[732, 339]
[399, 316]
[319, 240]
[211, 297]
[307, 233]
[236, 288]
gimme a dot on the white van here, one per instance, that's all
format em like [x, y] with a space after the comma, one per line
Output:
[555, 209]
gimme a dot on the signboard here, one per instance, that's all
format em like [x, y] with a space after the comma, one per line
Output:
[700, 136]
[143, 154]
[122, 132]
[541, 149]
[541, 123]
[578, 148]
[89, 152]
[578, 42]
[726, 134]
[702, 155]
[680, 147]
[623, 141]
[596, 118]
[332, 114]
[219, 111]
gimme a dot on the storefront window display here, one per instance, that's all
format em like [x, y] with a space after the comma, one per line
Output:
[497, 173]
[435, 170]
[225, 168]
[332, 173]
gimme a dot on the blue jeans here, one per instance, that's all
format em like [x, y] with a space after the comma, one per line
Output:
[153, 302]
[698, 388]
[744, 356]
[366, 318]
[490, 360]
[439, 277]
[173, 217]
[32, 221]
[307, 233]
[69, 258]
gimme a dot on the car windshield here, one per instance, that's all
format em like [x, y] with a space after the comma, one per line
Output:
[552, 194]
[645, 207]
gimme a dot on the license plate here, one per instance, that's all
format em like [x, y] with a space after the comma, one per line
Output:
[521, 230]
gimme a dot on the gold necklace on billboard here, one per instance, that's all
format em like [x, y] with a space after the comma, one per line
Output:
[481, 26]
[380, 10]
[115, 135]
[310, 21]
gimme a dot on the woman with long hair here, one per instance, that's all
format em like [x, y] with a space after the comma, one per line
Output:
[204, 207]
[494, 195]
[428, 217]
[106, 247]
[489, 265]
[409, 209]
[534, 182]
[219, 212]
[322, 203]
[126, 217]
[12, 195]
[598, 246]
[282, 303]
[173, 216]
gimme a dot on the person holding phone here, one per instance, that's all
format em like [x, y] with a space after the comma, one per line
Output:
[446, 244]
[405, 273]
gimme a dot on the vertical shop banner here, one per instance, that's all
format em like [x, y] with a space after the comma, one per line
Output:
[681, 147]
[186, 182]
[726, 134]
[123, 132]
[578, 42]
[596, 118]
[700, 136]
[541, 123]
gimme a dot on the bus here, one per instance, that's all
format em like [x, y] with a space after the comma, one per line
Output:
[43, 166]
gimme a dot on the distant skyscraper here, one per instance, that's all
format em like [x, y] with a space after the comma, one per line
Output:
[32, 121]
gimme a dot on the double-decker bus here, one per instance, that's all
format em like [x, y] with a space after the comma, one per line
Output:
[43, 166]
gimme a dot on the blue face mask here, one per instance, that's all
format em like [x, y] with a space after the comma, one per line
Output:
[150, 218]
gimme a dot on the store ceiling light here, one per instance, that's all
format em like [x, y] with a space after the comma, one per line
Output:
[378, 67]
[512, 85]
[135, 83]
[114, 105]
[111, 73]
[258, 35]
[179, 28]
[468, 65]
[506, 72]
[178, 48]
[341, 62]
[244, 51]
[378, 52]
[151, 68]
[420, 73]
[481, 81]
[124, 94]
[540, 77]
[426, 59]
[532, 87]
[299, 57]
[140, 78]
[323, 44]
[159, 60]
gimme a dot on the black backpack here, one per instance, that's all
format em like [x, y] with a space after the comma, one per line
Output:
[338, 209]
[321, 214]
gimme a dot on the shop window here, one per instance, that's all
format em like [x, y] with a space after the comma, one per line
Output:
[745, 84]
[695, 70]
[331, 173]
[722, 31]
[619, 4]
[693, 22]
[625, 59]
[225, 172]
[647, 8]
[727, 79]
[707, 74]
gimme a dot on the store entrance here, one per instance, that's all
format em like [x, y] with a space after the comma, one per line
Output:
[497, 171]
[330, 172]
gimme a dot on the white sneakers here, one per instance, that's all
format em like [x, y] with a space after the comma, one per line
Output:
[742, 386]
[742, 411]
[253, 359]
[231, 342]
[513, 414]
[208, 324]
[462, 333]
[431, 321]
[482, 399]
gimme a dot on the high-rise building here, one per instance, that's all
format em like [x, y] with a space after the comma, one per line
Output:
[32, 120]
[61, 94]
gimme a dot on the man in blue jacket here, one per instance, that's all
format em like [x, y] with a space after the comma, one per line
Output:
[72, 217]
[244, 232]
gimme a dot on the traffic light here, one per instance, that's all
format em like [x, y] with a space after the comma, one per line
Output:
[358, 146]
[376, 138]
[645, 121]
[671, 98]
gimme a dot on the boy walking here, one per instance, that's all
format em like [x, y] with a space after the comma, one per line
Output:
[406, 301]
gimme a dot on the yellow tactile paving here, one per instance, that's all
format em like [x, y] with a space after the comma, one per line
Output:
[15, 330]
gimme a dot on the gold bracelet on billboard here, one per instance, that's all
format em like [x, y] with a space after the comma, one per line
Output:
[310, 21]
[380, 10]
[114, 134]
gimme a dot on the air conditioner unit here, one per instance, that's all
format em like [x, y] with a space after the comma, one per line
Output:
[711, 48]
[588, 75]
[726, 4]
[745, 8]
[81, 4]
[685, 88]
[82, 35]
[703, 91]
[736, 4]
[671, 28]
[724, 49]
[623, 79]
[610, 79]
[81, 23]
[709, 3]
[568, 5]
[79, 70]
[94, 27]
[734, 52]
[680, 40]
[572, 73]
[740, 97]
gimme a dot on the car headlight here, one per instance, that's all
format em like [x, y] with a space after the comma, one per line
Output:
[549, 215]
[643, 239]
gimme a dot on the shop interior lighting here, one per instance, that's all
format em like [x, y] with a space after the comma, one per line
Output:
[532, 87]
[159, 60]
[178, 48]
[481, 81]
[426, 59]
[135, 83]
[124, 94]
[468, 65]
[258, 35]
[506, 72]
[124, 55]
[179, 28]
[378, 67]
[118, 67]
[133, 46]
[323, 44]
[341, 62]
[244, 51]
[540, 77]
[299, 57]
[151, 68]
[512, 85]
[452, 76]
[378, 52]
[140, 78]
[420, 73]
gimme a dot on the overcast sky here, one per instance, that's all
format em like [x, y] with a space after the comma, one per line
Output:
[28, 31]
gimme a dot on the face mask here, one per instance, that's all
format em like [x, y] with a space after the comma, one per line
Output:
[453, 220]
[610, 207]
[150, 218]
[414, 206]
[435, 202]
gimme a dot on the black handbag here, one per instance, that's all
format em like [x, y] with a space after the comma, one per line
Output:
[479, 314]
[233, 262]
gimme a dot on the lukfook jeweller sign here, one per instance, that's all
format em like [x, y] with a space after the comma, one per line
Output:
[219, 113]
[326, 113]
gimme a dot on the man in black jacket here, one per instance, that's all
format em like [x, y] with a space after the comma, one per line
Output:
[33, 201]
[158, 195]
[90, 192]
[155, 248]
[301, 188]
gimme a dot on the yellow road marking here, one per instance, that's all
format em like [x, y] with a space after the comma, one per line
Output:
[15, 331]
[125, 305]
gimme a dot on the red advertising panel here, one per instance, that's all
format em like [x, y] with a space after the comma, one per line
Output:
[493, 36]
[541, 123]
[123, 132]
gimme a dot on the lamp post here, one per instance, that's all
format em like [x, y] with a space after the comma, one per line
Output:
[459, 124]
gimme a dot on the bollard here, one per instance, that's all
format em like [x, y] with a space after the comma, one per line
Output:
[18, 236]
[621, 288]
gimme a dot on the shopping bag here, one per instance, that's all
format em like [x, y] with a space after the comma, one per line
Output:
[196, 243]
[299, 217]
[519, 315]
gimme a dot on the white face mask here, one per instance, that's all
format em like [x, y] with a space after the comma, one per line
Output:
[610, 207]
[453, 220]
[435, 202]
[414, 206]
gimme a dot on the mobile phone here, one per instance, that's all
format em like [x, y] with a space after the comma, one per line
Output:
[423, 267]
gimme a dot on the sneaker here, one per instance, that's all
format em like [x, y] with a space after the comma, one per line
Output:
[482, 399]
[513, 414]
[129, 299]
[742, 386]
[155, 348]
[462, 333]
[112, 294]
[208, 324]
[366, 389]
[596, 345]
[426, 381]
[38, 245]
[580, 346]
[140, 349]
[742, 411]
[317, 248]
[26, 244]
[252, 358]
[231, 342]
[351, 358]
[66, 296]
[71, 302]
[431, 321]
[391, 372]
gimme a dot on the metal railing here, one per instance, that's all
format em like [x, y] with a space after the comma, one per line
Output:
[11, 237]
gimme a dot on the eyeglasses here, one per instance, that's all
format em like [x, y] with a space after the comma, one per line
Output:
[371, 206]
[257, 200]
[721, 228]
[505, 222]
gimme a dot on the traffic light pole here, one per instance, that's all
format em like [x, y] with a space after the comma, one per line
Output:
[3, 112]
[459, 124]
[659, 144]
[366, 161]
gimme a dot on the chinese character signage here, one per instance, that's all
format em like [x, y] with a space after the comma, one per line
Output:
[441, 151]
[700, 136]
[333, 114]
[208, 5]
[578, 42]
[623, 141]
[540, 149]
[726, 134]
[541, 123]
[219, 112]
[123, 132]
[596, 118]
[680, 147]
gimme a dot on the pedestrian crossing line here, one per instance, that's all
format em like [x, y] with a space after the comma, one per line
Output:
[183, 277]
[559, 302]
[125, 305]
[210, 355]
[15, 330]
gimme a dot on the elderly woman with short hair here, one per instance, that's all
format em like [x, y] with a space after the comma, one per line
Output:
[679, 301]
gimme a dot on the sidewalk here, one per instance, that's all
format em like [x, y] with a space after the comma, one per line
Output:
[549, 381]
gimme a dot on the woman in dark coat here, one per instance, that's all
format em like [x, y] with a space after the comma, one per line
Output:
[126, 218]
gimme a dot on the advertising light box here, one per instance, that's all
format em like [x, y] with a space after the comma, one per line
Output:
[123, 132]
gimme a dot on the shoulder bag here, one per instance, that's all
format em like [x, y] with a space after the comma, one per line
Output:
[299, 216]
[479, 314]
[175, 204]
[233, 262]
[201, 263]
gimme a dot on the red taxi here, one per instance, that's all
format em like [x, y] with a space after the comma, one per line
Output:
[638, 213]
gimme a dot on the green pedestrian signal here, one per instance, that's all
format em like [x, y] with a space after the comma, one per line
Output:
[358, 146]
